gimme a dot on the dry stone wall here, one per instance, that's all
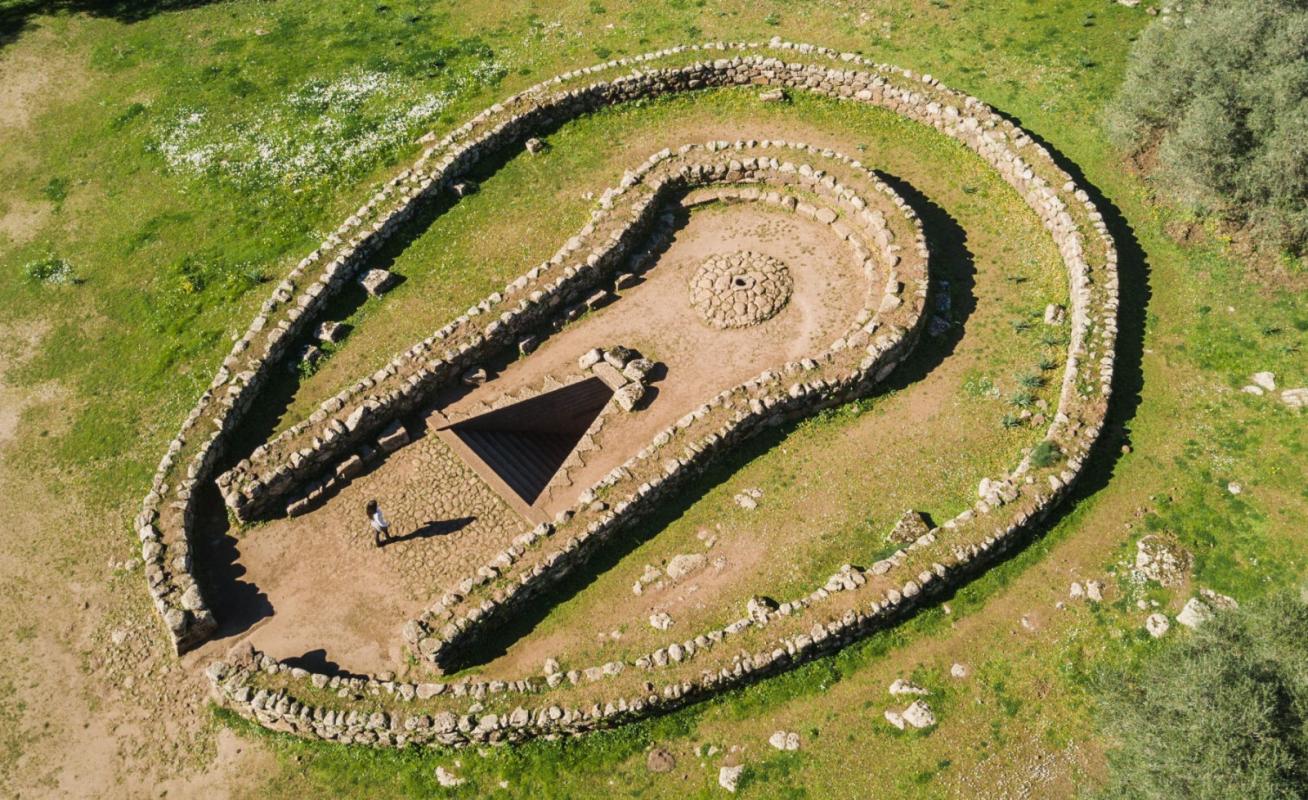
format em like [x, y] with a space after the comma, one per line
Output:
[853, 602]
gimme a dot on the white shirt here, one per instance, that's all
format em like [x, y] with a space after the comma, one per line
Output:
[378, 521]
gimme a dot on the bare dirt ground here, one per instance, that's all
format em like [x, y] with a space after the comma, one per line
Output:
[91, 703]
[316, 587]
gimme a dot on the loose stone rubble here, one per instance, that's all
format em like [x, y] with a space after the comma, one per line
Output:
[1162, 559]
[872, 220]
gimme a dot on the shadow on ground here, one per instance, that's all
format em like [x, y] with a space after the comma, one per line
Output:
[17, 16]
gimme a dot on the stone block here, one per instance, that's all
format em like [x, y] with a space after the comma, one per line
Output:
[599, 299]
[350, 468]
[393, 438]
[329, 331]
[377, 282]
[610, 375]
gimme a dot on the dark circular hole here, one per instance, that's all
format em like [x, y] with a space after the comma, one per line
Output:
[739, 281]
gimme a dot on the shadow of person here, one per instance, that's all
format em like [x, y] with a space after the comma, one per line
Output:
[317, 661]
[430, 529]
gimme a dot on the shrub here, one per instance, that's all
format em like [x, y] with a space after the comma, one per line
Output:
[1218, 714]
[1045, 454]
[1220, 87]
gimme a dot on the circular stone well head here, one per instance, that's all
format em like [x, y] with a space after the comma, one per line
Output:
[737, 290]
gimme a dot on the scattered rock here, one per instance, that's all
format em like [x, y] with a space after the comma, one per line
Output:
[1234, 488]
[1055, 314]
[773, 96]
[464, 188]
[1266, 380]
[682, 565]
[1077, 591]
[903, 687]
[910, 527]
[958, 671]
[1295, 398]
[660, 620]
[447, 779]
[728, 777]
[1195, 613]
[660, 760]
[895, 718]
[919, 715]
[551, 666]
[535, 146]
[1162, 559]
[1157, 625]
[783, 740]
[1094, 591]
[748, 499]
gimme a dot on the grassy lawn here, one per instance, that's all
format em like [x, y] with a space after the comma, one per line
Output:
[180, 160]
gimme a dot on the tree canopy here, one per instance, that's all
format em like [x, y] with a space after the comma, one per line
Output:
[1219, 714]
[1220, 89]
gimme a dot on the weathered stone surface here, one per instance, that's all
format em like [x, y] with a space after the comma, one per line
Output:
[1162, 559]
[919, 715]
[393, 438]
[474, 377]
[329, 331]
[679, 566]
[350, 468]
[377, 282]
[660, 620]
[629, 395]
[902, 687]
[910, 527]
[729, 777]
[1195, 613]
[1157, 625]
[740, 290]
[660, 760]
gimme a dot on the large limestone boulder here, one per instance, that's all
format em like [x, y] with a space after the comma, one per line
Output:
[729, 777]
[919, 715]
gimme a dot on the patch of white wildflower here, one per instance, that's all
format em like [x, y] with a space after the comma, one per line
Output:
[321, 129]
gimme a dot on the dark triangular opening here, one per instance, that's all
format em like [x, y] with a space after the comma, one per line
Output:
[524, 444]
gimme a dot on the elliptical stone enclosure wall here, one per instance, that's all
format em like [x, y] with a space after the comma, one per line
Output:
[767, 638]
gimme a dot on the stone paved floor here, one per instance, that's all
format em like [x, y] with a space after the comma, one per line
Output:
[330, 589]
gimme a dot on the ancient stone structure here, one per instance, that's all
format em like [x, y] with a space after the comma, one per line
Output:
[878, 227]
[740, 289]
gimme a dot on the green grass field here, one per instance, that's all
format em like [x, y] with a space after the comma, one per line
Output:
[179, 159]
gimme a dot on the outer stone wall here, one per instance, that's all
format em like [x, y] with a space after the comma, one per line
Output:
[852, 602]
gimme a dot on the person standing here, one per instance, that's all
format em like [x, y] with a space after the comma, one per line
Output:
[381, 529]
